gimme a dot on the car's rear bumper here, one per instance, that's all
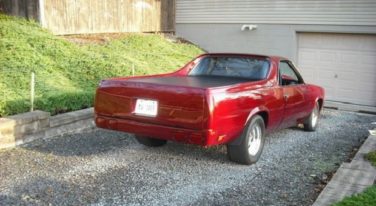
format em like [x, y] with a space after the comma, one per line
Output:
[198, 137]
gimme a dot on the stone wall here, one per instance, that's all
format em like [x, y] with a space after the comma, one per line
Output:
[22, 128]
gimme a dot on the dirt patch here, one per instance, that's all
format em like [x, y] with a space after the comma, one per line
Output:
[104, 38]
[95, 38]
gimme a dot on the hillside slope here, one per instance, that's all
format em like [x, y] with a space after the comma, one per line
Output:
[67, 73]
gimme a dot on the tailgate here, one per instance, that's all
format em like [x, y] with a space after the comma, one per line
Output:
[176, 106]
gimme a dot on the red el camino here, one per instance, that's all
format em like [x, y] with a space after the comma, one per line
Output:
[232, 99]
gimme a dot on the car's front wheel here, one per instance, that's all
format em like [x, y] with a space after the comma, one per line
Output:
[312, 121]
[251, 144]
[150, 142]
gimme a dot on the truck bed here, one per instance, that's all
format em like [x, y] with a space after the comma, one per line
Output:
[191, 81]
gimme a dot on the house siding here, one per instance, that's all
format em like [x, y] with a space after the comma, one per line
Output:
[269, 39]
[316, 12]
[281, 27]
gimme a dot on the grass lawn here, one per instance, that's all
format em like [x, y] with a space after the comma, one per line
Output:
[68, 73]
[371, 157]
[366, 198]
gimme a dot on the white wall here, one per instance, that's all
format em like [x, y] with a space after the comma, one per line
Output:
[215, 24]
[270, 39]
[316, 12]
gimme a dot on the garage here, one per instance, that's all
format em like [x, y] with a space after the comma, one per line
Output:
[344, 64]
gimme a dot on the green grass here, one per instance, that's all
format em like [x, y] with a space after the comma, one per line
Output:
[371, 157]
[66, 73]
[366, 198]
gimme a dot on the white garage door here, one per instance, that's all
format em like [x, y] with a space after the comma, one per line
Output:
[344, 64]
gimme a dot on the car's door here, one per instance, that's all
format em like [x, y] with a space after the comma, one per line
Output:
[294, 93]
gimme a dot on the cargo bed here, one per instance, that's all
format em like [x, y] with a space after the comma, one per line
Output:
[191, 81]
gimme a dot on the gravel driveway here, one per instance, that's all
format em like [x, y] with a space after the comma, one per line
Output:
[103, 167]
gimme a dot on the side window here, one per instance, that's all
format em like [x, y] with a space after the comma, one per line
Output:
[288, 75]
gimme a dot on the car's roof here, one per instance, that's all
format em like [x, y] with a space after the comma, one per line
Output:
[245, 54]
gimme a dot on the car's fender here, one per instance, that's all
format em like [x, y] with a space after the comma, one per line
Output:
[254, 111]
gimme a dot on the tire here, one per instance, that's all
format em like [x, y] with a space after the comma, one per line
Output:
[310, 124]
[150, 142]
[251, 145]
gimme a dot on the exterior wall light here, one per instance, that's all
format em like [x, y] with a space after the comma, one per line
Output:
[248, 27]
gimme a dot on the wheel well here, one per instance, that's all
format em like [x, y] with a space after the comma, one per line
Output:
[320, 101]
[265, 117]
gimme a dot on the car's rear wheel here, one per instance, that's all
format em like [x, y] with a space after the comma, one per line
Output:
[312, 121]
[251, 144]
[150, 142]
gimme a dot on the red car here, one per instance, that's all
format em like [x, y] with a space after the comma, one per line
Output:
[232, 99]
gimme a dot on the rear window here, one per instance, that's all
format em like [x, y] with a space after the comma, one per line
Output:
[239, 67]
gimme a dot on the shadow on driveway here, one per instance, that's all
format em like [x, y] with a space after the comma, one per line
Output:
[102, 141]
[81, 144]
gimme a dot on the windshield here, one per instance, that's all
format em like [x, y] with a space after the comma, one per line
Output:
[239, 67]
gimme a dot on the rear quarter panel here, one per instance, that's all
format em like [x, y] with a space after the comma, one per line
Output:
[315, 93]
[233, 107]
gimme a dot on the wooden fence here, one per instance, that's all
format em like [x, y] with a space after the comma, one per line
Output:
[24, 8]
[101, 16]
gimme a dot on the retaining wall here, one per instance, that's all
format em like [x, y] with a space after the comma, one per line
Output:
[22, 128]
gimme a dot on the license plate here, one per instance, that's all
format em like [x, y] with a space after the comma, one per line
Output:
[146, 107]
